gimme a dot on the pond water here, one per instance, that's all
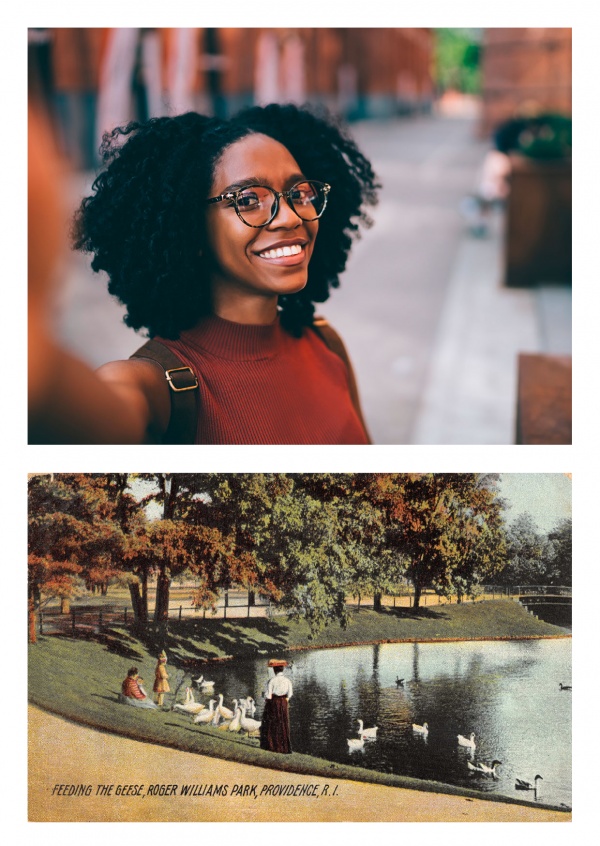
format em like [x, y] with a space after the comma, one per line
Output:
[507, 693]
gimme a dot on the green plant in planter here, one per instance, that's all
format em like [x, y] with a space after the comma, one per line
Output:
[547, 136]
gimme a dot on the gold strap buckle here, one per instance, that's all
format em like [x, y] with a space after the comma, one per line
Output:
[173, 386]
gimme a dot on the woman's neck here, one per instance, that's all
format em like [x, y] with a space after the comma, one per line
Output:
[257, 310]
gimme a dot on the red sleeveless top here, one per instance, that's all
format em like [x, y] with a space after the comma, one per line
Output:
[260, 385]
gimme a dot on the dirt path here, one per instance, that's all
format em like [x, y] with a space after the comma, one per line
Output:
[78, 756]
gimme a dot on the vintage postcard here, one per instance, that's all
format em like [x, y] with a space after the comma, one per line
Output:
[300, 646]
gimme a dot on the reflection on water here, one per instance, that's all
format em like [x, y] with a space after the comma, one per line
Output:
[506, 693]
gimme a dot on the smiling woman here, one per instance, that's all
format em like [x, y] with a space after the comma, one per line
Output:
[219, 237]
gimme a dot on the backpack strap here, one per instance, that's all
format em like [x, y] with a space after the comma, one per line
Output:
[184, 392]
[333, 341]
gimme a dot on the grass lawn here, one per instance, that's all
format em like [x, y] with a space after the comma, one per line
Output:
[80, 678]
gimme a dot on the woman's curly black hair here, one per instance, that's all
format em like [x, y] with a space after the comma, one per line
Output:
[145, 221]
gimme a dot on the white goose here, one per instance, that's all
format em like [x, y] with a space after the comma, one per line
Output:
[469, 742]
[355, 744]
[204, 684]
[484, 769]
[236, 724]
[247, 723]
[422, 730]
[367, 734]
[249, 704]
[207, 715]
[190, 706]
[225, 713]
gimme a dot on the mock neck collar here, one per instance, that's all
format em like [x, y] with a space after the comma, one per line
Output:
[235, 341]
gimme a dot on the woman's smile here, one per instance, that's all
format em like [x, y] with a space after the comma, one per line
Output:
[285, 253]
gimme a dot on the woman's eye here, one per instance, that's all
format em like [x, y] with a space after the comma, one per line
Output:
[248, 200]
[303, 195]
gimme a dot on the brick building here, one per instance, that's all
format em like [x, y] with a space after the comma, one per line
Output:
[358, 72]
[524, 70]
[96, 79]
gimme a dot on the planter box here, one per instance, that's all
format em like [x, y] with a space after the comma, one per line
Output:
[538, 224]
[544, 399]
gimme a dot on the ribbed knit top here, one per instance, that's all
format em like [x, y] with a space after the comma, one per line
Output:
[260, 385]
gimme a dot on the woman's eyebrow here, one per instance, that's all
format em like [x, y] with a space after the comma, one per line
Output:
[260, 180]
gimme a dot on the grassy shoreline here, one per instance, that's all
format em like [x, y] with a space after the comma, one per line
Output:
[194, 641]
[80, 679]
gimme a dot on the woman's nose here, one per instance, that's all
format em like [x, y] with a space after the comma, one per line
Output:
[285, 217]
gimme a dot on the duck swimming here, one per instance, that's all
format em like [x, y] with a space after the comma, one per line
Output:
[367, 734]
[422, 730]
[520, 784]
[484, 769]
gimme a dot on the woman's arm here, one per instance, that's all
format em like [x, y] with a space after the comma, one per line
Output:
[69, 403]
[124, 402]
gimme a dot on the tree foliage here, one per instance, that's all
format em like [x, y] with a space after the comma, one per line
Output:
[457, 60]
[560, 553]
[306, 540]
[535, 558]
[72, 537]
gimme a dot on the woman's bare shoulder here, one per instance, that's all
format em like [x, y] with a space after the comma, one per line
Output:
[142, 383]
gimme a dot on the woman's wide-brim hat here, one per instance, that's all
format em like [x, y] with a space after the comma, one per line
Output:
[277, 662]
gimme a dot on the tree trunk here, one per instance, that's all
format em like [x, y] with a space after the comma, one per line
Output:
[161, 611]
[377, 602]
[137, 604]
[252, 598]
[417, 599]
[31, 621]
[65, 605]
[145, 596]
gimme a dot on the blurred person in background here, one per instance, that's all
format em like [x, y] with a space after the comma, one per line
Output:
[219, 237]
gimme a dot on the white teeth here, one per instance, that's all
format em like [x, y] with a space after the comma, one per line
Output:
[282, 251]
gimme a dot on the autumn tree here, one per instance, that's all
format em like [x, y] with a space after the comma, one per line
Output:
[443, 529]
[187, 536]
[72, 536]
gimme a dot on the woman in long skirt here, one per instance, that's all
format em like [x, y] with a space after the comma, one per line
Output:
[275, 726]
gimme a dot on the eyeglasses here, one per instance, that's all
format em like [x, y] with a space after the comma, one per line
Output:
[257, 205]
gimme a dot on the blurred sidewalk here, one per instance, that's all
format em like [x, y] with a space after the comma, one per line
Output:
[433, 334]
[469, 395]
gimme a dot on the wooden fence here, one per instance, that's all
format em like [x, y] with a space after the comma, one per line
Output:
[95, 619]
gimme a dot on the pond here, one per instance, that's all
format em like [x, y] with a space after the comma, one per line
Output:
[507, 693]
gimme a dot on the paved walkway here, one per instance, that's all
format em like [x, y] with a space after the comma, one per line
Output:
[433, 333]
[63, 753]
